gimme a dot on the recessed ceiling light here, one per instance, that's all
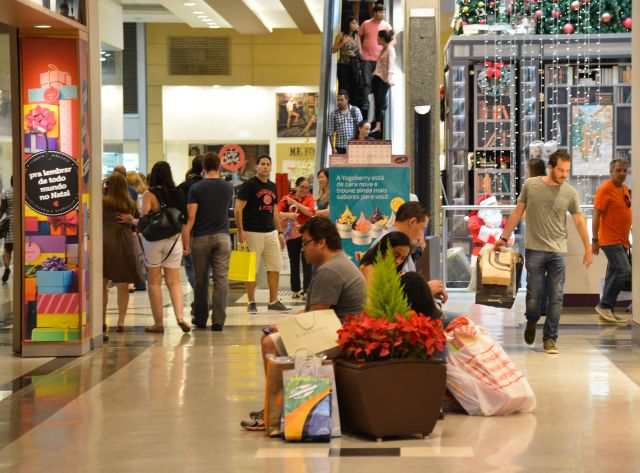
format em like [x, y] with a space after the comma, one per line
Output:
[198, 12]
[189, 4]
[214, 26]
[42, 26]
[202, 17]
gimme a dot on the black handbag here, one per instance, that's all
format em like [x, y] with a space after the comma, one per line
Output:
[162, 223]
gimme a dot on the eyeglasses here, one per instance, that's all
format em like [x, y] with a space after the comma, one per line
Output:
[306, 242]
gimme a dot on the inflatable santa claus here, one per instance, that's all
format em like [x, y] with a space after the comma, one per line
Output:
[485, 225]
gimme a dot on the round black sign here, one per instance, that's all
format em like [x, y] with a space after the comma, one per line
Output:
[51, 183]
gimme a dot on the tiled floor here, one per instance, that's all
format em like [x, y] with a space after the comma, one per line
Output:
[173, 402]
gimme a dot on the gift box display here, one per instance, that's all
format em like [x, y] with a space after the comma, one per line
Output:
[46, 334]
[60, 320]
[54, 282]
[64, 224]
[67, 124]
[45, 94]
[30, 318]
[31, 225]
[44, 228]
[41, 119]
[54, 78]
[72, 254]
[30, 289]
[34, 143]
[58, 303]
[49, 244]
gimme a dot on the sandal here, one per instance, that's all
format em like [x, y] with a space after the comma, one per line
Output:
[154, 329]
[295, 295]
[186, 328]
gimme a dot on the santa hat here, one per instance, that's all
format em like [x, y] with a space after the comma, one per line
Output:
[487, 199]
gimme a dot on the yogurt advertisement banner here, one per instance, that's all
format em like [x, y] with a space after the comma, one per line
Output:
[364, 202]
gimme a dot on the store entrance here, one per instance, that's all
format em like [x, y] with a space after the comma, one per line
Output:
[7, 234]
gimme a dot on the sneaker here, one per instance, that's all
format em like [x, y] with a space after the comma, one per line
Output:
[257, 414]
[550, 347]
[606, 314]
[217, 327]
[252, 308]
[530, 333]
[5, 275]
[620, 320]
[253, 425]
[278, 306]
[196, 325]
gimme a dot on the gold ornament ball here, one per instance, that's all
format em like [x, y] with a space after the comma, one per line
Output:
[465, 9]
[480, 4]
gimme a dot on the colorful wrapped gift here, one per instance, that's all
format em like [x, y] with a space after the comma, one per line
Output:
[43, 94]
[44, 256]
[58, 303]
[44, 228]
[49, 244]
[30, 318]
[64, 224]
[60, 320]
[54, 77]
[54, 334]
[41, 118]
[54, 282]
[34, 143]
[68, 143]
[72, 254]
[30, 289]
[31, 224]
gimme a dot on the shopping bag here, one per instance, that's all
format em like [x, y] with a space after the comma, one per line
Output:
[497, 295]
[307, 404]
[242, 265]
[277, 366]
[314, 331]
[496, 267]
[481, 376]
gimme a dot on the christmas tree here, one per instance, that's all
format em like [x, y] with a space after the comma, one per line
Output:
[386, 298]
[577, 130]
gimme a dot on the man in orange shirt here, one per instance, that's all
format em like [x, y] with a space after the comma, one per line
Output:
[611, 226]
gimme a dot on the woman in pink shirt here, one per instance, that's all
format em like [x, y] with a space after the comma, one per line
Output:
[383, 76]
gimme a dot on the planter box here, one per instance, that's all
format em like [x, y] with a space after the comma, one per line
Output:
[390, 398]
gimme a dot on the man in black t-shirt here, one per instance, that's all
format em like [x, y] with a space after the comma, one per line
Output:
[209, 243]
[195, 175]
[258, 222]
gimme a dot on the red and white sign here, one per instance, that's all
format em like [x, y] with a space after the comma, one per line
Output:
[232, 157]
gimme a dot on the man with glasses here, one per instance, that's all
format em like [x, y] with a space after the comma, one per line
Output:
[611, 226]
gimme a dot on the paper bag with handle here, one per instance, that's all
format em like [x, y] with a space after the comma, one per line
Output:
[314, 331]
[496, 267]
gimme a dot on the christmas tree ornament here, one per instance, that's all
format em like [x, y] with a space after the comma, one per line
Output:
[538, 13]
[606, 17]
[556, 13]
[568, 28]
[627, 23]
[482, 21]
[494, 79]
[492, 4]
[575, 5]
[480, 4]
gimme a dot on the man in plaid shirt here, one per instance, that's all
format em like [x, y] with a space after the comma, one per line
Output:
[343, 122]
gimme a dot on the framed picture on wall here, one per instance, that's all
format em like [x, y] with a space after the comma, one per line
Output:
[238, 161]
[296, 114]
[591, 139]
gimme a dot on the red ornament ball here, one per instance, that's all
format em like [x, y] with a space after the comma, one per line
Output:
[464, 23]
[627, 23]
[538, 13]
[586, 2]
[492, 4]
[568, 28]
[482, 21]
[575, 5]
[556, 13]
[605, 17]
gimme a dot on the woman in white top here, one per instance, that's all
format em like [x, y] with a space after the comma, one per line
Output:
[383, 76]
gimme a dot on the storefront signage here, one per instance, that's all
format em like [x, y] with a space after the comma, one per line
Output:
[51, 183]
[231, 157]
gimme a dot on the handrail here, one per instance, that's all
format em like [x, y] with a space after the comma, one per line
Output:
[446, 208]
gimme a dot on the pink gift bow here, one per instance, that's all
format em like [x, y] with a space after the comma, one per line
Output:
[494, 69]
[40, 120]
[69, 221]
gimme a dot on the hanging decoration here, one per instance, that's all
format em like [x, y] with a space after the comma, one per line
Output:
[494, 78]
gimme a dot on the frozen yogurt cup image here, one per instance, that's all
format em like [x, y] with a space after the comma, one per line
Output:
[378, 222]
[345, 223]
[361, 234]
[391, 220]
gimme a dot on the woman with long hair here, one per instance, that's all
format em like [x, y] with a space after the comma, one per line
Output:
[165, 254]
[419, 295]
[383, 76]
[397, 242]
[119, 264]
[297, 207]
[322, 201]
[347, 42]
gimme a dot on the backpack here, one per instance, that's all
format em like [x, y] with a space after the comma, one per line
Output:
[352, 111]
[162, 223]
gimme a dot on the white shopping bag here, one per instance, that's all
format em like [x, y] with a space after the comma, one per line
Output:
[481, 375]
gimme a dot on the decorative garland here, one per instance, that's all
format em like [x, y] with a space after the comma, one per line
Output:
[494, 79]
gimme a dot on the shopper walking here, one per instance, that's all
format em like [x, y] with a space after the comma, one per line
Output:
[119, 263]
[382, 79]
[163, 256]
[611, 225]
[193, 176]
[207, 239]
[258, 222]
[546, 200]
[6, 210]
[347, 42]
[296, 208]
[343, 123]
[371, 49]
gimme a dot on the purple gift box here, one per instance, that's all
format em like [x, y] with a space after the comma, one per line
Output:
[50, 244]
[34, 143]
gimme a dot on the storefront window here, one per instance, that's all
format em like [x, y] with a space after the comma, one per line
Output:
[6, 173]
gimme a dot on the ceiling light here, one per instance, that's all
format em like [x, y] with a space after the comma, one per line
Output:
[214, 26]
[198, 12]
[202, 17]
[102, 59]
[189, 4]
[42, 26]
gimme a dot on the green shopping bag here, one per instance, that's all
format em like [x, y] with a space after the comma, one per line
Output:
[242, 265]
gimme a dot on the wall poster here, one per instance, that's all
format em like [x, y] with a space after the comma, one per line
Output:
[591, 139]
[296, 114]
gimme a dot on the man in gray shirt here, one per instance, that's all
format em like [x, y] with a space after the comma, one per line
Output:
[547, 200]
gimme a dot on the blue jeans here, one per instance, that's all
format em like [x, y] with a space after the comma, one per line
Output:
[545, 273]
[188, 268]
[210, 255]
[618, 272]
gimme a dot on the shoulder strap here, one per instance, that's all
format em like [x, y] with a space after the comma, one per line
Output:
[155, 191]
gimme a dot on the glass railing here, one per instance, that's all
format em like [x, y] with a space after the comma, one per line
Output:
[463, 236]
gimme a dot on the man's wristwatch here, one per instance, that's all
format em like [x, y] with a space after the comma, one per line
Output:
[594, 240]
[504, 239]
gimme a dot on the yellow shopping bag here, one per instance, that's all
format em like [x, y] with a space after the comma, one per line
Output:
[242, 265]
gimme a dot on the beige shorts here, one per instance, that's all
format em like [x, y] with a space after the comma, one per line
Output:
[266, 246]
[156, 251]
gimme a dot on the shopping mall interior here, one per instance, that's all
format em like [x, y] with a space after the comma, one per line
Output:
[448, 103]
